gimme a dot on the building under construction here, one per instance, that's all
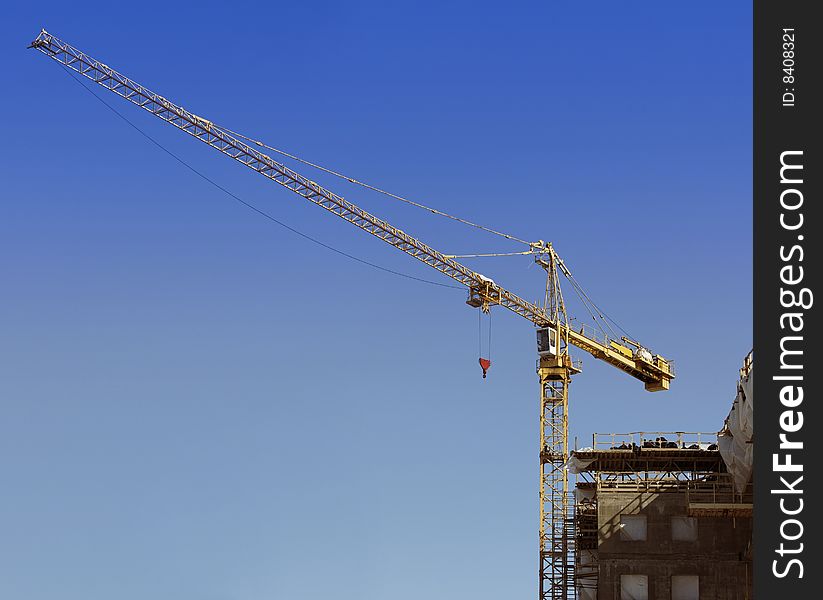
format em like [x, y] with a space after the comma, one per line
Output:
[667, 515]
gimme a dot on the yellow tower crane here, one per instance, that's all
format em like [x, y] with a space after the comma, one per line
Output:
[555, 335]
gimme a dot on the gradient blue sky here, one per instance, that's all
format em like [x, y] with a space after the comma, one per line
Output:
[197, 404]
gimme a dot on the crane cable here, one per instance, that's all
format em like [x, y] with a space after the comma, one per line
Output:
[374, 188]
[588, 306]
[485, 363]
[605, 317]
[524, 253]
[586, 301]
[576, 286]
[248, 204]
[480, 334]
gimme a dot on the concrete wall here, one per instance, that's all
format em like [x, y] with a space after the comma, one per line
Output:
[718, 556]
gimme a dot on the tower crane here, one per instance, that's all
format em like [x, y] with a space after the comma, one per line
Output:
[555, 334]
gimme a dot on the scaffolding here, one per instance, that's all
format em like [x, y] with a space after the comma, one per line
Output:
[656, 462]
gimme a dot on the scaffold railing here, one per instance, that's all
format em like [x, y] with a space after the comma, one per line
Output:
[679, 440]
[718, 489]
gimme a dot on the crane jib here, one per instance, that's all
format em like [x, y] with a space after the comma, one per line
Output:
[655, 373]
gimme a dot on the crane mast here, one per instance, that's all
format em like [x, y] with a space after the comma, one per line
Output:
[555, 335]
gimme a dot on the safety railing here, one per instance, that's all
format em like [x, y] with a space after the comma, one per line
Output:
[720, 489]
[669, 363]
[679, 440]
[590, 330]
[577, 364]
[665, 483]
[593, 332]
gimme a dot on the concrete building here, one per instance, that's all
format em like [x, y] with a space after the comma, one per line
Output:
[663, 516]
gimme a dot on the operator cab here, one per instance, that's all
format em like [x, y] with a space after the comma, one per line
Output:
[547, 341]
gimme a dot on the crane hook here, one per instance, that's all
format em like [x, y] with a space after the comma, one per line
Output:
[485, 363]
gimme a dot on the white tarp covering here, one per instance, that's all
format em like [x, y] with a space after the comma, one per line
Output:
[586, 574]
[633, 528]
[685, 587]
[735, 440]
[684, 529]
[583, 495]
[576, 465]
[634, 587]
[586, 593]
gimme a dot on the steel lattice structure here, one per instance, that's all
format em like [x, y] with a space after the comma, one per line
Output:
[556, 537]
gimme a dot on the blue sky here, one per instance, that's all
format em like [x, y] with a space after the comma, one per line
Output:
[198, 404]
